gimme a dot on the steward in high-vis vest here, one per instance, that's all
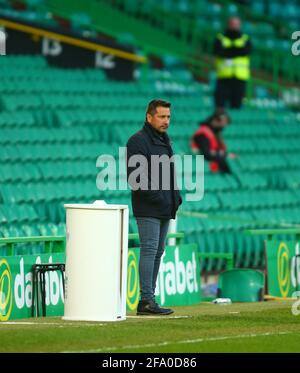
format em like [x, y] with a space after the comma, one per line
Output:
[207, 140]
[232, 50]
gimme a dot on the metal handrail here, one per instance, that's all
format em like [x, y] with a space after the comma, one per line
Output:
[271, 232]
[10, 242]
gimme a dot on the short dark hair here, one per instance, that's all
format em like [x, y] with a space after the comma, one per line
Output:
[151, 109]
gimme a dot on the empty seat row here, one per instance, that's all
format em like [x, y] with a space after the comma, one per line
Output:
[76, 151]
[247, 250]
[55, 191]
[46, 135]
[257, 199]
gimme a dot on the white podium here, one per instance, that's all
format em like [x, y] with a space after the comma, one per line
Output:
[96, 262]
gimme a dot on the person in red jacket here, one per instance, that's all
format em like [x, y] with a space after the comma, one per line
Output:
[207, 140]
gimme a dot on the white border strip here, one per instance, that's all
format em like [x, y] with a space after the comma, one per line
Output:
[63, 325]
[158, 317]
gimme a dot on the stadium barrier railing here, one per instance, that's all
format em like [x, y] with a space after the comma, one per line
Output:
[282, 251]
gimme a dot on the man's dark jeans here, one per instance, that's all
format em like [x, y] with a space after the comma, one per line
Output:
[152, 234]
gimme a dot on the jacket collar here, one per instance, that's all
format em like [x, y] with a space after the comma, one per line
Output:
[214, 130]
[157, 139]
[233, 34]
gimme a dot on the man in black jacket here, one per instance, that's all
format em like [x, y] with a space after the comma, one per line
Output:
[232, 50]
[155, 197]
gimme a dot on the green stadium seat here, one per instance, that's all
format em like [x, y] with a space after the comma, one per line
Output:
[47, 229]
[30, 230]
[241, 146]
[253, 180]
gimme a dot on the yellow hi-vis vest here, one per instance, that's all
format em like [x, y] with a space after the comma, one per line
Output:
[237, 67]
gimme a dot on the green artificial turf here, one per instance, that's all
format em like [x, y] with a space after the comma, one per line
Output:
[244, 327]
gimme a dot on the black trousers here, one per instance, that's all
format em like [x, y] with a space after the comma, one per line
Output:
[230, 91]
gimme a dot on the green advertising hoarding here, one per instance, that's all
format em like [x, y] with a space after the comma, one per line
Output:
[16, 286]
[178, 281]
[283, 267]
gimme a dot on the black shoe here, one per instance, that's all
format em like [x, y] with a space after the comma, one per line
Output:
[149, 307]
